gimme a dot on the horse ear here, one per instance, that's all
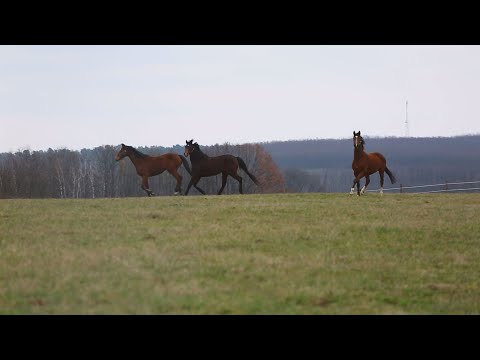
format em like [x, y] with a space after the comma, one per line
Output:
[359, 133]
[123, 145]
[353, 132]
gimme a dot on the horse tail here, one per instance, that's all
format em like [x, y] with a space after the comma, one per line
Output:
[390, 175]
[185, 163]
[243, 166]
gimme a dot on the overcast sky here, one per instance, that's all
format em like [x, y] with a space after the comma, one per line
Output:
[86, 96]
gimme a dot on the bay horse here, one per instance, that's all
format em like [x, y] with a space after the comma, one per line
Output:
[205, 166]
[365, 164]
[148, 166]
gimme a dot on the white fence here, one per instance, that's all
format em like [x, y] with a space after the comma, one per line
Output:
[447, 187]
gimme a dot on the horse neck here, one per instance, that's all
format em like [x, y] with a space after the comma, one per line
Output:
[358, 153]
[136, 160]
[198, 155]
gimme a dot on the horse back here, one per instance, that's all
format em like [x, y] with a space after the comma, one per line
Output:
[224, 162]
[214, 165]
[377, 157]
[157, 164]
[376, 161]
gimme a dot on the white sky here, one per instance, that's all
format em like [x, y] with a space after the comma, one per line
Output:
[86, 96]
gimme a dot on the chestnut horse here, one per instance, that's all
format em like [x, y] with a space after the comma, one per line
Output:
[365, 164]
[148, 166]
[204, 166]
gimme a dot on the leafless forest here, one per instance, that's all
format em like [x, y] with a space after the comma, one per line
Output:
[94, 173]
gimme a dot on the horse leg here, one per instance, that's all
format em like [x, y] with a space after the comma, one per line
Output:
[381, 172]
[364, 188]
[194, 181]
[224, 181]
[178, 177]
[190, 183]
[240, 180]
[145, 186]
[196, 187]
[356, 181]
[353, 186]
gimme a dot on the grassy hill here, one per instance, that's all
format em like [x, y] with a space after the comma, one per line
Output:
[251, 254]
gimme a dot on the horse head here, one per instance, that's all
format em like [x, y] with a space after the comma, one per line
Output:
[358, 140]
[189, 147]
[122, 153]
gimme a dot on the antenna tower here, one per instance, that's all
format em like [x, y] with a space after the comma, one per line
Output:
[407, 131]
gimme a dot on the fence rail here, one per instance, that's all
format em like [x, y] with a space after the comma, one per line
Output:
[445, 185]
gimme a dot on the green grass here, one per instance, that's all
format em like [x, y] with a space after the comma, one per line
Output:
[251, 254]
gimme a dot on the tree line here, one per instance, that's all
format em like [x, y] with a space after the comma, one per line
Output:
[94, 173]
[319, 165]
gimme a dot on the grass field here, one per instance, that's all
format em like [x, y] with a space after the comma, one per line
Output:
[251, 254]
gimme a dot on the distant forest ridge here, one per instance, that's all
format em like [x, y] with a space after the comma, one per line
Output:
[415, 161]
[338, 153]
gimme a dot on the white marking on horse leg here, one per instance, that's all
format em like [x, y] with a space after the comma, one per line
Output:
[363, 189]
[176, 193]
[381, 191]
[351, 191]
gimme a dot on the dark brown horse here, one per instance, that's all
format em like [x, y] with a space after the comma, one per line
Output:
[204, 166]
[365, 164]
[148, 166]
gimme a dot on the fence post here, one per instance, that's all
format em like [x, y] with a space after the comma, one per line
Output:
[401, 188]
[446, 185]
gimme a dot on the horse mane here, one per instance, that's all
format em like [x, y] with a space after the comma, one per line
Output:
[197, 148]
[138, 153]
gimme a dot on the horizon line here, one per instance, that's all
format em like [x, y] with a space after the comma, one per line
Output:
[22, 149]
